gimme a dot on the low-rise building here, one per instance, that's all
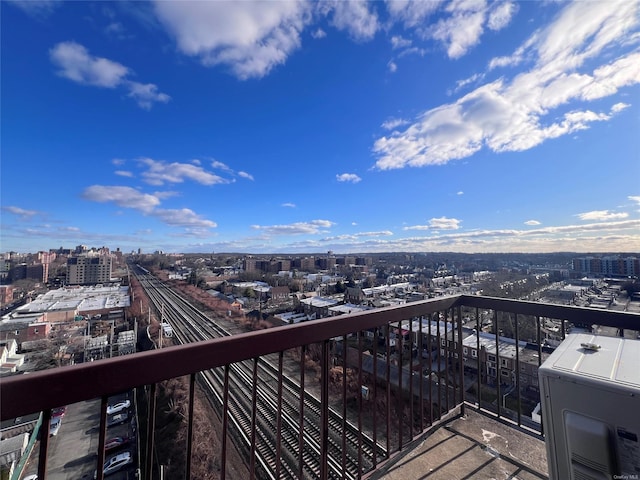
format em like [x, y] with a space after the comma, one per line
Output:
[10, 359]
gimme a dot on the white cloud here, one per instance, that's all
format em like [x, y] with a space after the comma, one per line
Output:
[392, 67]
[221, 166]
[348, 177]
[398, 42]
[601, 215]
[516, 114]
[460, 193]
[183, 217]
[319, 33]
[118, 161]
[78, 65]
[124, 173]
[532, 222]
[166, 194]
[298, 228]
[634, 198]
[393, 123]
[618, 107]
[501, 14]
[463, 28]
[249, 37]
[463, 83]
[117, 30]
[36, 8]
[499, 62]
[246, 175]
[416, 227]
[355, 236]
[159, 173]
[289, 205]
[147, 204]
[444, 223]
[352, 16]
[126, 197]
[20, 212]
[146, 94]
[411, 13]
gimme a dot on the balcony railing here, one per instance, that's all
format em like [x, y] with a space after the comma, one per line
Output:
[382, 379]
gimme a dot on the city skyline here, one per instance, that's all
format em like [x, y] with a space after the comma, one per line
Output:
[292, 127]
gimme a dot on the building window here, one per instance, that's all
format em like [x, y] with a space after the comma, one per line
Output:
[442, 352]
[491, 358]
[17, 332]
[492, 372]
[443, 342]
[523, 367]
[474, 353]
[504, 362]
[465, 350]
[35, 330]
[504, 373]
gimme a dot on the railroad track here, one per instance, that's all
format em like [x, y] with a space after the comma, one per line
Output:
[259, 427]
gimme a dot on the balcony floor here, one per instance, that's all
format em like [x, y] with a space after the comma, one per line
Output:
[470, 447]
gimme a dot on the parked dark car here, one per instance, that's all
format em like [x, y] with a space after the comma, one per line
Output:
[117, 419]
[115, 443]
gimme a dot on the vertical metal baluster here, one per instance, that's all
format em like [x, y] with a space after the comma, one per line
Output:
[429, 383]
[254, 412]
[192, 389]
[388, 403]
[451, 356]
[279, 417]
[438, 363]
[461, 361]
[44, 443]
[498, 366]
[225, 423]
[344, 404]
[478, 355]
[447, 353]
[359, 337]
[400, 396]
[375, 397]
[303, 354]
[411, 422]
[324, 412]
[539, 362]
[151, 427]
[421, 361]
[518, 370]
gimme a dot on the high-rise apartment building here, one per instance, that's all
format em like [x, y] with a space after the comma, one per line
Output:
[616, 266]
[85, 270]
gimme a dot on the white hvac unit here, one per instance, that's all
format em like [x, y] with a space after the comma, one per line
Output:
[590, 393]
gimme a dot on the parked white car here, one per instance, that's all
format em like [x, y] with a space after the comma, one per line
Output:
[118, 407]
[54, 426]
[114, 464]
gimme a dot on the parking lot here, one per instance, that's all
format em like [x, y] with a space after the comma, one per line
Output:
[72, 453]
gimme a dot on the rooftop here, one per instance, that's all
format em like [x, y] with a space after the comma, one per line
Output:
[84, 299]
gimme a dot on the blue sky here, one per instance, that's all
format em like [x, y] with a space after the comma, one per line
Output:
[470, 126]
